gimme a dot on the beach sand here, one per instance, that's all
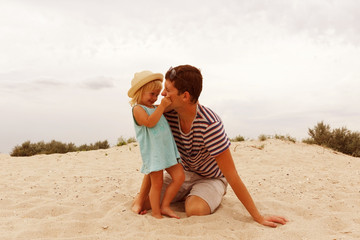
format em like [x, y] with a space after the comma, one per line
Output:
[88, 195]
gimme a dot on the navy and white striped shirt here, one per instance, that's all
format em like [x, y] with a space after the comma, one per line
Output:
[206, 140]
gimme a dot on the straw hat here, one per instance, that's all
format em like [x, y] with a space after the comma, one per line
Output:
[142, 78]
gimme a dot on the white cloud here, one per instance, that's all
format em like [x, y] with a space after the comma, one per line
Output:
[267, 66]
[99, 83]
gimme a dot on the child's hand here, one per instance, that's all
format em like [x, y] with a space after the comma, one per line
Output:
[165, 102]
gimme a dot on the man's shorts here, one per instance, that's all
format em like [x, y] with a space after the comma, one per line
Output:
[210, 189]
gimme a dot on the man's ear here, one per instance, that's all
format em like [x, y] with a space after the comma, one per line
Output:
[186, 97]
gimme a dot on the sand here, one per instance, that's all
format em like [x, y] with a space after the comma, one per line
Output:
[88, 195]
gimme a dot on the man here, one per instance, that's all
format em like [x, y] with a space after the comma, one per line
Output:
[204, 149]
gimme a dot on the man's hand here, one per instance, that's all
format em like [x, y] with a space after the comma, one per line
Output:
[272, 221]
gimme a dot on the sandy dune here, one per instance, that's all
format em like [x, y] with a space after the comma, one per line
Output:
[87, 195]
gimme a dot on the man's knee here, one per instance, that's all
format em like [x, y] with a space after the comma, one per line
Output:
[196, 206]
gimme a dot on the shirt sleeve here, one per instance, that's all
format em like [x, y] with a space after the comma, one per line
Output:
[215, 139]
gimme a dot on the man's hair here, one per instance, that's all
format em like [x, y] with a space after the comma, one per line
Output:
[186, 79]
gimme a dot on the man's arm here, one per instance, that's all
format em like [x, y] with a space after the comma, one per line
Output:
[227, 166]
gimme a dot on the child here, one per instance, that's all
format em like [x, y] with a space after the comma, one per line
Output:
[157, 145]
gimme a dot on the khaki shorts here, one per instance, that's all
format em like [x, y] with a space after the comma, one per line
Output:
[210, 189]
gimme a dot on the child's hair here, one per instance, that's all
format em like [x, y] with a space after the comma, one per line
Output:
[150, 86]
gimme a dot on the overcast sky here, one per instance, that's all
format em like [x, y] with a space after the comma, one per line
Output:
[269, 67]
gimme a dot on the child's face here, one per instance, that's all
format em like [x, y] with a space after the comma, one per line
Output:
[149, 98]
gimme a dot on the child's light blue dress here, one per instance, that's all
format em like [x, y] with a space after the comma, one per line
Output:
[157, 146]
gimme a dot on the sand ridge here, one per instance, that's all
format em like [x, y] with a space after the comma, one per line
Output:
[87, 195]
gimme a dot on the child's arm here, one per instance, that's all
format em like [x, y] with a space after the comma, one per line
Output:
[143, 119]
[168, 109]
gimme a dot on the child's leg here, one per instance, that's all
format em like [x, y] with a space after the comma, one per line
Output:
[178, 176]
[141, 201]
[155, 192]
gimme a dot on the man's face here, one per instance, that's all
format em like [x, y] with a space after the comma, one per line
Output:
[171, 92]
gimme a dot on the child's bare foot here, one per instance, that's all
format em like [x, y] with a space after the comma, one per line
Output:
[158, 216]
[169, 212]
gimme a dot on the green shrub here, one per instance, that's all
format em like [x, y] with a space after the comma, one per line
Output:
[101, 145]
[83, 147]
[26, 149]
[339, 139]
[263, 137]
[121, 141]
[320, 134]
[131, 140]
[308, 141]
[238, 138]
[30, 149]
[285, 138]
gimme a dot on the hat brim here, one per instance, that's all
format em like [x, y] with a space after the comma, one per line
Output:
[142, 82]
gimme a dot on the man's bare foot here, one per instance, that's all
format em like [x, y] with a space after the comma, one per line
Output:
[137, 206]
[167, 211]
[138, 210]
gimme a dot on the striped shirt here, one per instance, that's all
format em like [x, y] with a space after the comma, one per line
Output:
[206, 140]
